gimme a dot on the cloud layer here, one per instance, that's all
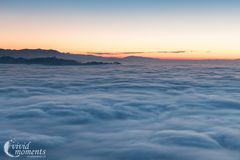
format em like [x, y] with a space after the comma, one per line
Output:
[167, 111]
[138, 53]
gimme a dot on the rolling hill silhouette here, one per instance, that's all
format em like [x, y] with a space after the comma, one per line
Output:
[40, 53]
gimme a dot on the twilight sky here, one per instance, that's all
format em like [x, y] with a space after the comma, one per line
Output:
[179, 29]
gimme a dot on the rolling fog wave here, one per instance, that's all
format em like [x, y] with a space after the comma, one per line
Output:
[165, 111]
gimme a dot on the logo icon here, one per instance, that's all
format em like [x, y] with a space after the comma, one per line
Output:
[15, 149]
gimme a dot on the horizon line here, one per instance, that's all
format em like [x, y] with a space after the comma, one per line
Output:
[121, 57]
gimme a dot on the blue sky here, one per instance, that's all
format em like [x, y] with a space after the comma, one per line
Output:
[119, 6]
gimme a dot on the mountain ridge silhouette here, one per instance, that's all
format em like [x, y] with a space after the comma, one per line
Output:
[39, 53]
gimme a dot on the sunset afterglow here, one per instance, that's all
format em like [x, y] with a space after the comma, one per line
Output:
[154, 28]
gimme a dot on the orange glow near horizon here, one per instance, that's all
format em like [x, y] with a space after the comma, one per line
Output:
[207, 44]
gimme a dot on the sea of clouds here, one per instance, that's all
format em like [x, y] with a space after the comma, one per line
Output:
[161, 111]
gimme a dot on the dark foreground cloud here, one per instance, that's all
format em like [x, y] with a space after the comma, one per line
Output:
[167, 111]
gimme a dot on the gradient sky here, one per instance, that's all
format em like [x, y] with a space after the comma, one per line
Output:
[180, 29]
